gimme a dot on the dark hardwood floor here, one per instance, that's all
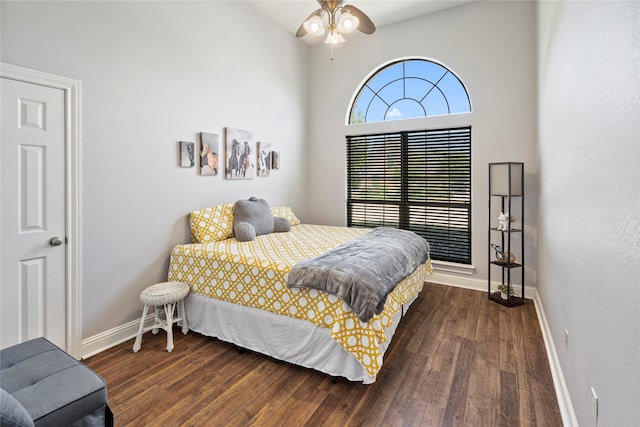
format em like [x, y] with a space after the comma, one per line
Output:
[456, 359]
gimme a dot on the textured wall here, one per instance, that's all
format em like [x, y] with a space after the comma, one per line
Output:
[589, 148]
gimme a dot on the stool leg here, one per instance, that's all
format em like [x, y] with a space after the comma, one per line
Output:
[185, 325]
[156, 319]
[168, 310]
[138, 343]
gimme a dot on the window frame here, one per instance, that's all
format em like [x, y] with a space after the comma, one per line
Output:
[454, 120]
[374, 73]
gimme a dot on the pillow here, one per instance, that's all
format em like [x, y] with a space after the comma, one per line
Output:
[212, 224]
[12, 413]
[287, 213]
[253, 218]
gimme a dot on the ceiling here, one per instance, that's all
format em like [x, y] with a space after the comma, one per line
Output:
[290, 14]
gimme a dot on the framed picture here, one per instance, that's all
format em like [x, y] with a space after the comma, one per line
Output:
[187, 154]
[264, 158]
[239, 154]
[209, 149]
[275, 160]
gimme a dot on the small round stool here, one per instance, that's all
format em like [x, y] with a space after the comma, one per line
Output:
[169, 295]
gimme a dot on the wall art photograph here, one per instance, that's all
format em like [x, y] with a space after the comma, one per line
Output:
[187, 154]
[240, 155]
[209, 149]
[264, 158]
[275, 160]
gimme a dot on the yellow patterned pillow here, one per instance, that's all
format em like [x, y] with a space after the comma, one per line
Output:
[212, 224]
[285, 212]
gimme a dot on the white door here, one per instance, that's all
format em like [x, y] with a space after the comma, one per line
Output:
[32, 214]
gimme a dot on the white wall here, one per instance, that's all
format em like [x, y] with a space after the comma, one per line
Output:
[589, 208]
[155, 73]
[491, 47]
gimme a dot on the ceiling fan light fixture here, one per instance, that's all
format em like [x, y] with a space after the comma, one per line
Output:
[334, 37]
[314, 25]
[342, 19]
[347, 23]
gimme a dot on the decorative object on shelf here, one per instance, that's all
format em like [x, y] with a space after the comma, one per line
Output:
[506, 197]
[505, 291]
[499, 251]
[239, 163]
[503, 221]
[209, 150]
[187, 155]
[503, 257]
[508, 258]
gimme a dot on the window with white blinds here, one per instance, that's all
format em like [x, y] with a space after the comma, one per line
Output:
[414, 180]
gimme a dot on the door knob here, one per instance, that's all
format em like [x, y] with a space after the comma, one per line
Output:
[55, 241]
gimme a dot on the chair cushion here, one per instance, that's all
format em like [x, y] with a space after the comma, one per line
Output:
[53, 387]
[12, 413]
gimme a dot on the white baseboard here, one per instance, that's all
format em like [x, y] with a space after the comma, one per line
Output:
[105, 340]
[562, 393]
[471, 283]
[111, 338]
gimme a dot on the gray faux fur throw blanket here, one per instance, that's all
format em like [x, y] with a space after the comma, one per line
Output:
[364, 270]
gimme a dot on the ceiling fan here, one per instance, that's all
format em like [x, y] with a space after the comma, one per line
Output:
[342, 19]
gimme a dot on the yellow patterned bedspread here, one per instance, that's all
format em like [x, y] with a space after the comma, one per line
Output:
[254, 274]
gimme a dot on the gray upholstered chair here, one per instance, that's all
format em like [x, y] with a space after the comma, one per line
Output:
[42, 385]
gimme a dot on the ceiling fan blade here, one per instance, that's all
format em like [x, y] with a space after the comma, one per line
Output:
[301, 31]
[366, 26]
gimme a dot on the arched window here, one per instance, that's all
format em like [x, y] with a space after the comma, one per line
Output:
[416, 179]
[408, 89]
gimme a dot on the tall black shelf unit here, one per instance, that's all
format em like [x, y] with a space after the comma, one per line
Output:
[506, 193]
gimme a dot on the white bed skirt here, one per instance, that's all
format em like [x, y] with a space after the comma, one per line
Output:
[285, 338]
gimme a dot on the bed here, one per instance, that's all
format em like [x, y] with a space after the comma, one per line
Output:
[239, 294]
